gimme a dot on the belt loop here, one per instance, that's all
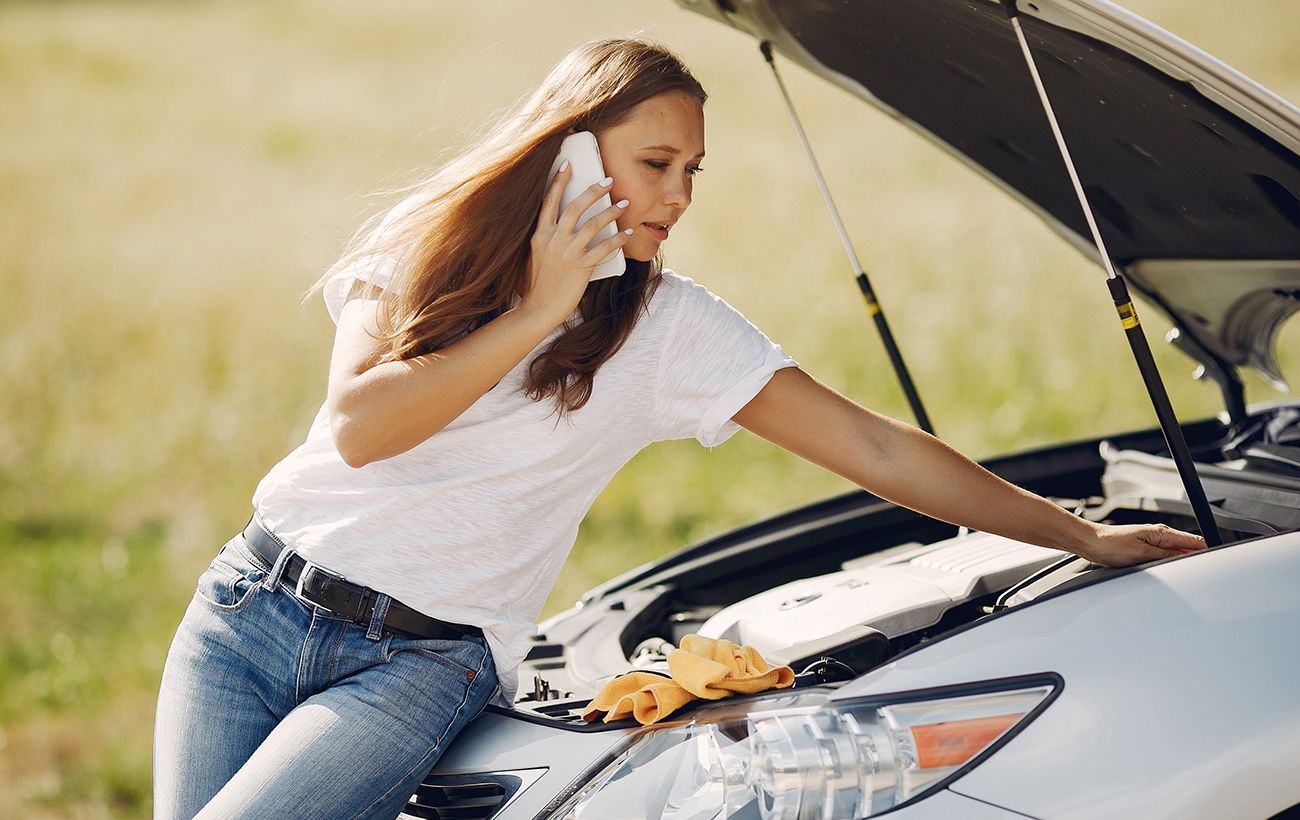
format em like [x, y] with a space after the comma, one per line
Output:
[376, 628]
[273, 577]
[281, 560]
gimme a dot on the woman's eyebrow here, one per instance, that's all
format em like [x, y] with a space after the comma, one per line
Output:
[670, 149]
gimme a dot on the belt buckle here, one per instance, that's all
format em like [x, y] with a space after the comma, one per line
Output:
[310, 567]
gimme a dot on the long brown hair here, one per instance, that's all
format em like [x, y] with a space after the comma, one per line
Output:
[464, 249]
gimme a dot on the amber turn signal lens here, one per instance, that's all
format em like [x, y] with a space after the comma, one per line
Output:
[954, 742]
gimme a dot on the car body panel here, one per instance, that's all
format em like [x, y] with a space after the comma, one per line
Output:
[498, 742]
[947, 805]
[1152, 663]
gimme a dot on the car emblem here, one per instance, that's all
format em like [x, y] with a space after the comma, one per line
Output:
[799, 601]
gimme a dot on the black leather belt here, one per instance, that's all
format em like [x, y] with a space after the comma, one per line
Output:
[339, 595]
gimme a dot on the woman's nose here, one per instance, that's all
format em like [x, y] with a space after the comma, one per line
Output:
[678, 194]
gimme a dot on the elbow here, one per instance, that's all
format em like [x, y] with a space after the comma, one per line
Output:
[355, 460]
[350, 448]
[364, 431]
[350, 440]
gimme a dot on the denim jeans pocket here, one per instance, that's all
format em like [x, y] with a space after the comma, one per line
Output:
[230, 581]
[464, 656]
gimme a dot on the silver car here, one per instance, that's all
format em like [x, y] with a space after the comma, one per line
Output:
[953, 674]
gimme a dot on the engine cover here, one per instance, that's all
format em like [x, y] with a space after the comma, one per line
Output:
[897, 592]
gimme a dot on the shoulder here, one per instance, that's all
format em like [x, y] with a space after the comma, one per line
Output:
[374, 261]
[692, 320]
[674, 295]
[683, 296]
[674, 282]
[677, 292]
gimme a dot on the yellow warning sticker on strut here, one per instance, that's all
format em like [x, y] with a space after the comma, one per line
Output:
[1128, 316]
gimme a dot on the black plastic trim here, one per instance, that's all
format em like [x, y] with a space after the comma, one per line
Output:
[580, 726]
[1292, 813]
[985, 687]
[584, 777]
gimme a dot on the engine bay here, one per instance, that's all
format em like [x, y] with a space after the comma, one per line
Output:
[840, 587]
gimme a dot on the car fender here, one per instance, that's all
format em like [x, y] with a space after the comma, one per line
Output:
[1155, 719]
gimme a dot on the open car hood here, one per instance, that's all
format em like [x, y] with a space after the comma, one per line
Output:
[1192, 168]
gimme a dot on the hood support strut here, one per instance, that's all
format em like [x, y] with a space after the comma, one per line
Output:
[873, 305]
[1168, 419]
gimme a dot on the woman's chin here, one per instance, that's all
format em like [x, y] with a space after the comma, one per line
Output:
[639, 252]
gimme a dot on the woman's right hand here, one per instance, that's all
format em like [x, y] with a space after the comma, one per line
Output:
[560, 264]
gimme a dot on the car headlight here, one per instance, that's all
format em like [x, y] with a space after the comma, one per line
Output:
[802, 756]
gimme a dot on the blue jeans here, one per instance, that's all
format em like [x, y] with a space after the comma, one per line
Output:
[272, 707]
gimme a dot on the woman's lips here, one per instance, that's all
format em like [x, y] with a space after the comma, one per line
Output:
[659, 233]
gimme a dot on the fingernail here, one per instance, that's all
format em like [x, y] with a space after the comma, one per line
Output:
[606, 182]
[622, 203]
[628, 231]
[564, 166]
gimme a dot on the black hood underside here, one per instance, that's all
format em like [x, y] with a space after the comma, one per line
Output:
[1171, 173]
[1182, 158]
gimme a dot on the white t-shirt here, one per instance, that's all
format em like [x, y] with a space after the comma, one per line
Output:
[473, 524]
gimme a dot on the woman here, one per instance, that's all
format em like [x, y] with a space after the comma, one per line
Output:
[481, 393]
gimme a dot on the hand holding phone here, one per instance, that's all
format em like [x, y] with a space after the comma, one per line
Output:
[583, 155]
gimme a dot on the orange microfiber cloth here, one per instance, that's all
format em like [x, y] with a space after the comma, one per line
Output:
[701, 668]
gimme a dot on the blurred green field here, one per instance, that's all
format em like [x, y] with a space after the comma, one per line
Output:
[175, 175]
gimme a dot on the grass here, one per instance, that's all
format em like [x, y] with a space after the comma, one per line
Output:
[175, 175]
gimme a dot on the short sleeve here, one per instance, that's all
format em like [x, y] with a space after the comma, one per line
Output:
[369, 269]
[713, 362]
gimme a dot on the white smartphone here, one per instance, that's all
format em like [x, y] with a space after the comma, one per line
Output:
[583, 154]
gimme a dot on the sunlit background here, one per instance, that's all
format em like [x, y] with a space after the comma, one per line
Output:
[175, 175]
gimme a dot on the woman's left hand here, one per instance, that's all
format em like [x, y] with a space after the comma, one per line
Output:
[1128, 544]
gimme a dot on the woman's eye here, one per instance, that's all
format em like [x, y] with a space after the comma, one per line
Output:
[659, 165]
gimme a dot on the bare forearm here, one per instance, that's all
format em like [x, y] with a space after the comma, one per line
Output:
[917, 470]
[903, 464]
[382, 410]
